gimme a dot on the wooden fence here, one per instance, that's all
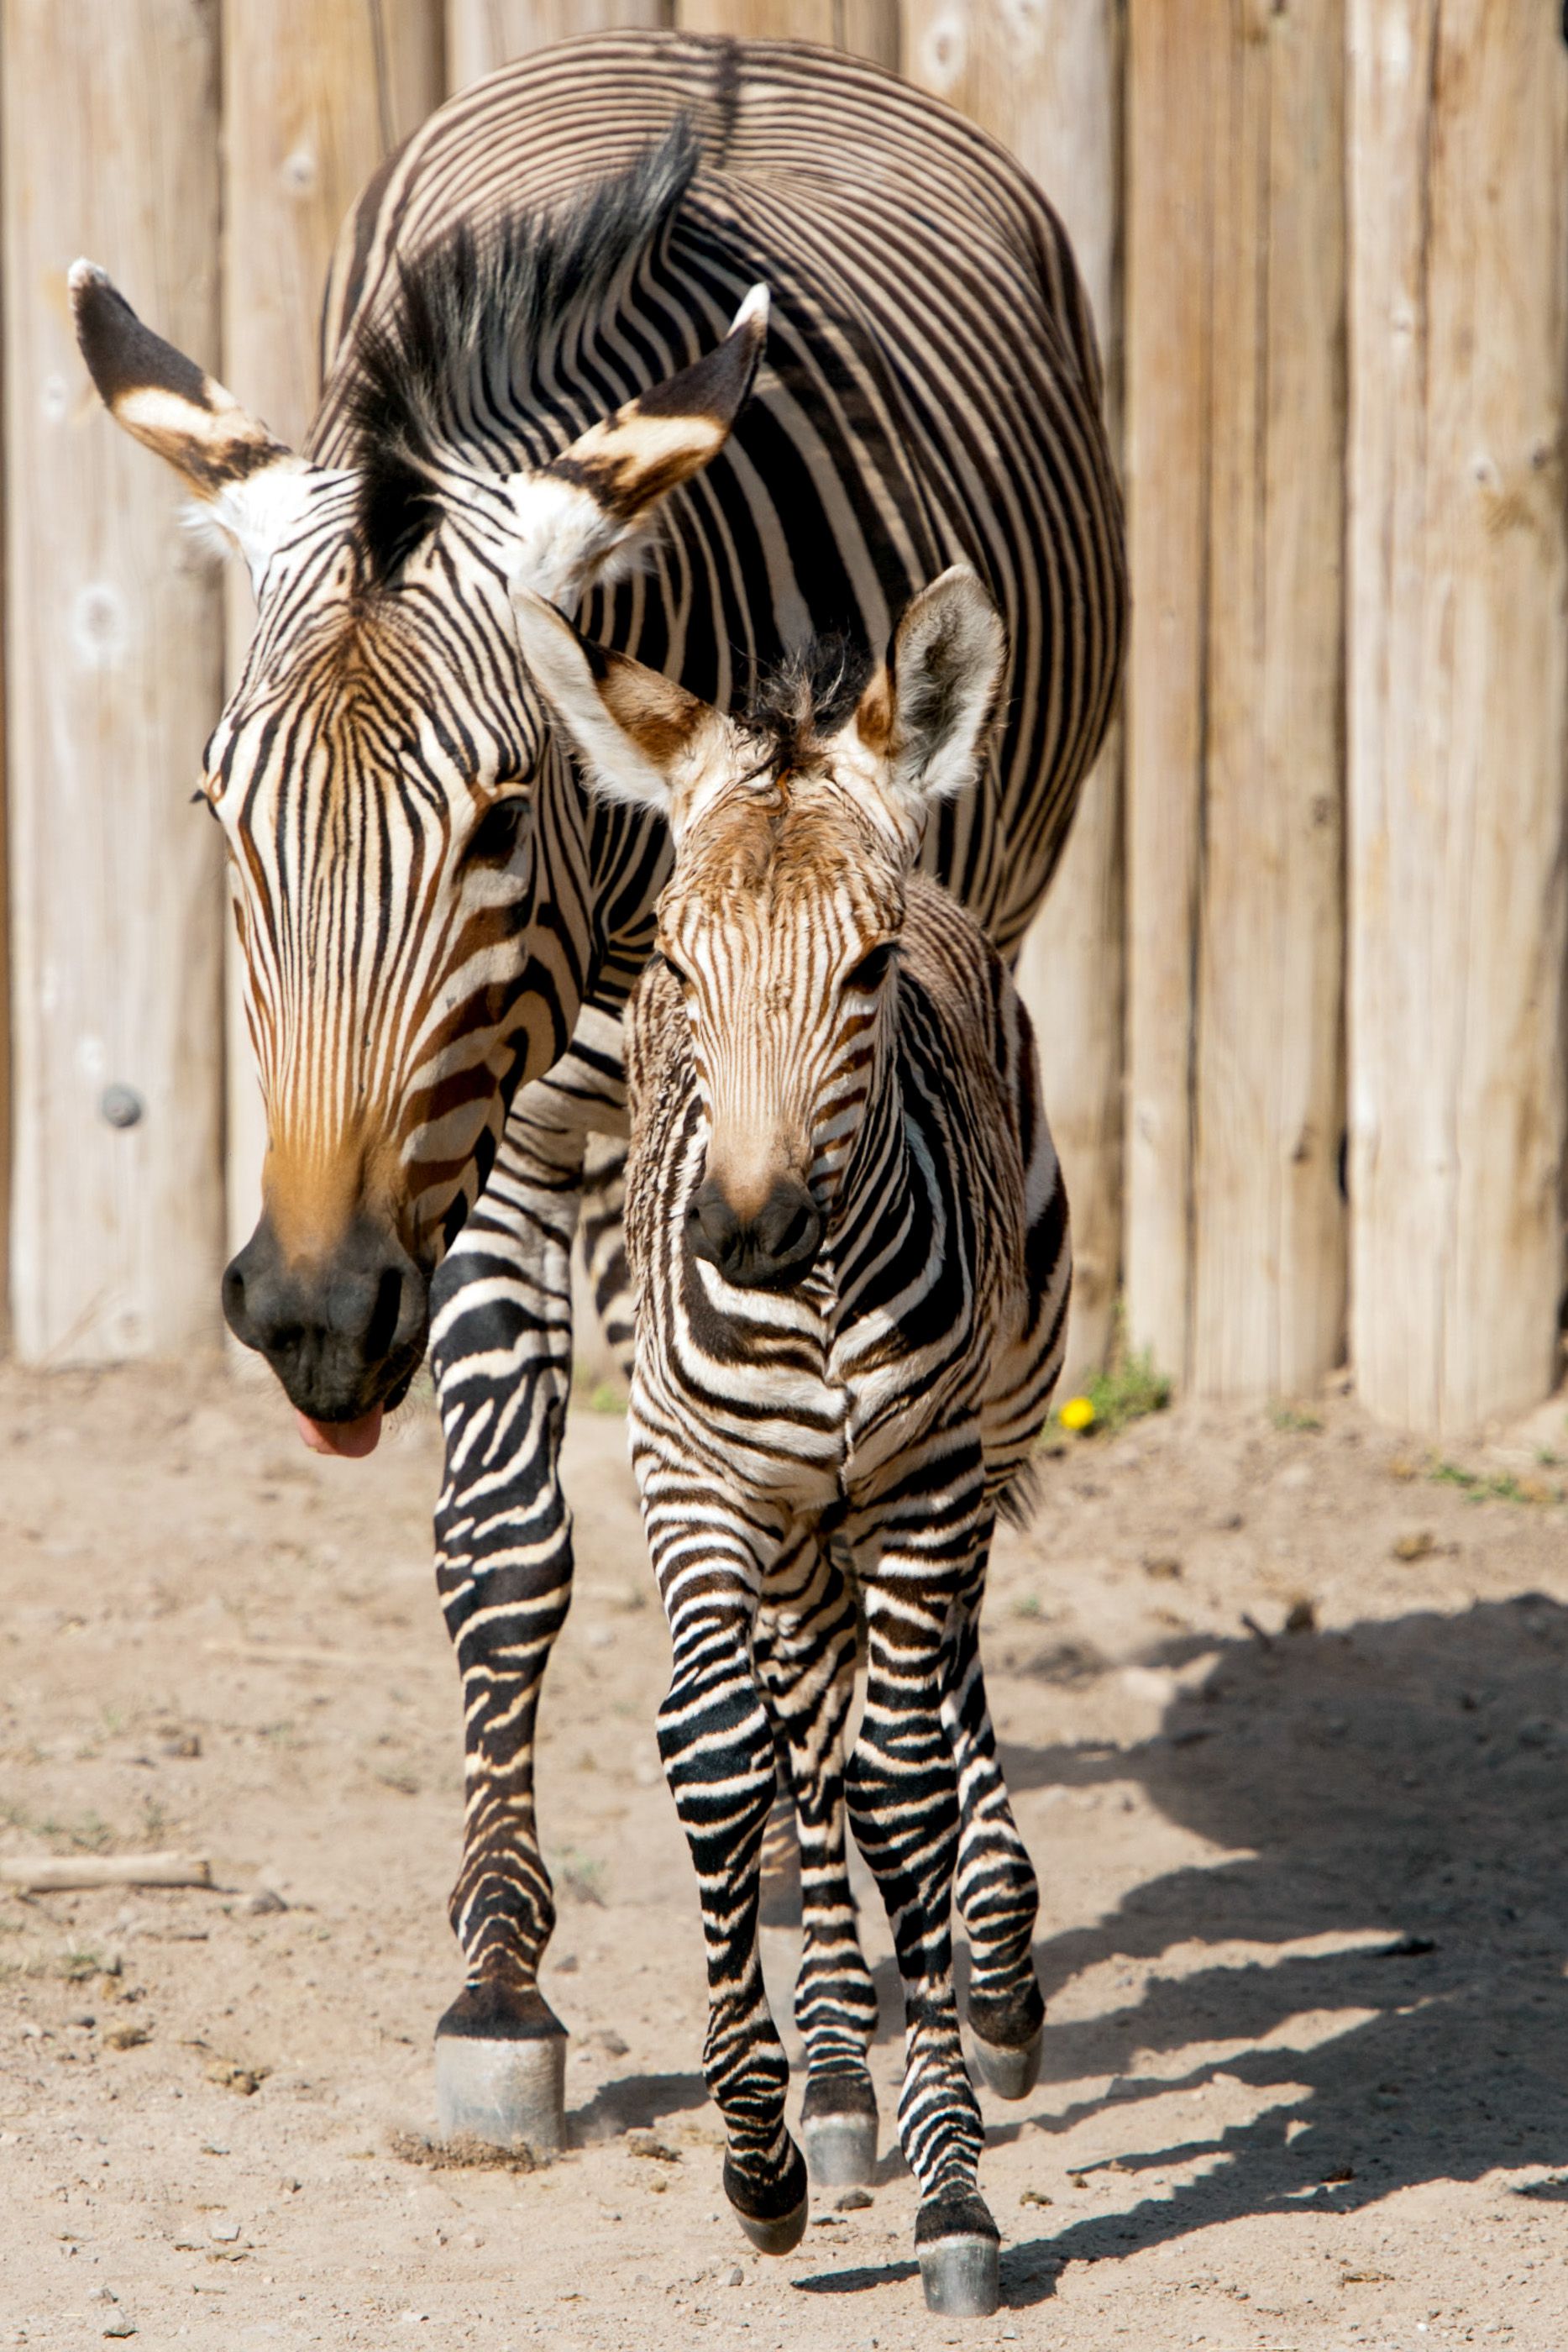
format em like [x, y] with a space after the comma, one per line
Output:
[1300, 985]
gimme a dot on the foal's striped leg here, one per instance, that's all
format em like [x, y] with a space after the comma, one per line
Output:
[804, 1644]
[902, 1789]
[998, 1892]
[716, 1742]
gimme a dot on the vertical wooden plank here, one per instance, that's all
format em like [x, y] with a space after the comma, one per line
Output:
[114, 660]
[4, 883]
[867, 27]
[484, 34]
[1269, 1226]
[313, 99]
[1171, 48]
[1457, 704]
[1049, 83]
[1236, 1245]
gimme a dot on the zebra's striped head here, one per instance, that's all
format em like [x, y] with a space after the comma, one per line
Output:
[407, 847]
[796, 830]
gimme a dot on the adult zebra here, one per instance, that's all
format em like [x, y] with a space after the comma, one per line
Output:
[522, 363]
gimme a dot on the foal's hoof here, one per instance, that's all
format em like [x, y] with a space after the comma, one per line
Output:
[773, 2218]
[959, 2253]
[500, 2071]
[1010, 2073]
[838, 2123]
[1008, 2037]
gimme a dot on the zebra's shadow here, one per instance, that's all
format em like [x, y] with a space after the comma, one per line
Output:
[1402, 1783]
[634, 2103]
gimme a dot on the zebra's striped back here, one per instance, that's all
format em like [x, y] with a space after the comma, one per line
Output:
[931, 394]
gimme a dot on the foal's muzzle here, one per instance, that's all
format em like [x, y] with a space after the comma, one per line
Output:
[772, 1249]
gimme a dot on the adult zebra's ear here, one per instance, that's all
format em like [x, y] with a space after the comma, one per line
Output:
[926, 713]
[245, 481]
[580, 519]
[631, 728]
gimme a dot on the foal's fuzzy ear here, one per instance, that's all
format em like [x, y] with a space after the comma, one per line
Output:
[244, 481]
[928, 710]
[580, 518]
[629, 725]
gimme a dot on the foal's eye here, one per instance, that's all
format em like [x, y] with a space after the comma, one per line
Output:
[662, 956]
[495, 837]
[871, 971]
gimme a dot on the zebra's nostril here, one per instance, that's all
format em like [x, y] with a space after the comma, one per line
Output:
[382, 1332]
[234, 1294]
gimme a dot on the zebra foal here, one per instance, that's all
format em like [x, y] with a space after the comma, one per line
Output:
[850, 1245]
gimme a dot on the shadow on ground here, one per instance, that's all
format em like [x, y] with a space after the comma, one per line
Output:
[1405, 1781]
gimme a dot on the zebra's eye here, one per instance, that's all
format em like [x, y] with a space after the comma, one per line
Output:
[661, 955]
[871, 971]
[495, 837]
[202, 794]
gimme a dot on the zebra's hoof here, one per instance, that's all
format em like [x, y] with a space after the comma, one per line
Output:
[774, 2219]
[961, 2276]
[840, 2151]
[1008, 2037]
[779, 2237]
[1010, 2073]
[500, 2077]
[960, 2255]
[838, 2123]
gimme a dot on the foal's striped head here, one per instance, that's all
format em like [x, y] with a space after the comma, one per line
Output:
[407, 852]
[796, 830]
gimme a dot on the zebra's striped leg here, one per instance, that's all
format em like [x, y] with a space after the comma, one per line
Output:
[998, 1894]
[902, 1788]
[501, 1346]
[804, 1645]
[604, 1242]
[717, 1743]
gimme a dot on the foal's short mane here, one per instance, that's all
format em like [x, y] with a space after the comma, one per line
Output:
[808, 697]
[466, 343]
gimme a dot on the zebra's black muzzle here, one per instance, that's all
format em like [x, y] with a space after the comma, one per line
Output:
[772, 1249]
[343, 1333]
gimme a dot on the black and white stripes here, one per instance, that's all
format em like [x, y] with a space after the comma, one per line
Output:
[440, 930]
[850, 1250]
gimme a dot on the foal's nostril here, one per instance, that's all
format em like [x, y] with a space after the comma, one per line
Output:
[713, 1226]
[772, 1250]
[798, 1238]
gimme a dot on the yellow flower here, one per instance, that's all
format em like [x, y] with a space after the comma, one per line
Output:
[1077, 1413]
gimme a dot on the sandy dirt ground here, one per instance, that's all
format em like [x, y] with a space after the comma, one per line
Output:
[1303, 1937]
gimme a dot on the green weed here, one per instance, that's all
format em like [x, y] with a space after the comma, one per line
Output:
[1498, 1487]
[1127, 1390]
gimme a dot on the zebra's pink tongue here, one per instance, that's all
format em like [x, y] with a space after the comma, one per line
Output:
[351, 1439]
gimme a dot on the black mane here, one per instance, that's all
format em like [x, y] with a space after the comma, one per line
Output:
[474, 314]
